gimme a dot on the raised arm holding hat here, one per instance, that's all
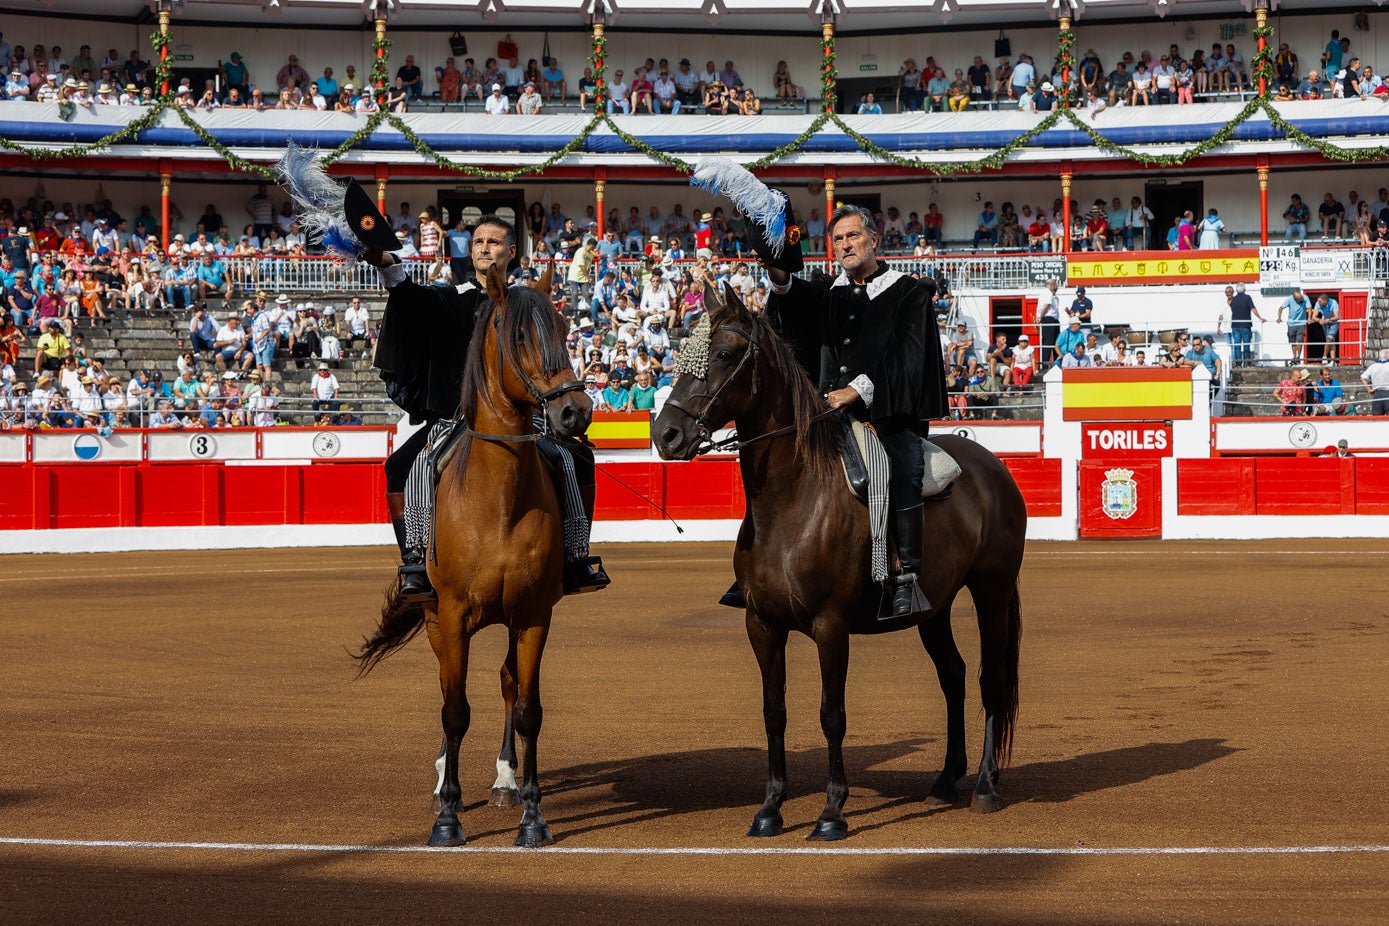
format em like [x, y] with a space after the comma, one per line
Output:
[867, 336]
[420, 353]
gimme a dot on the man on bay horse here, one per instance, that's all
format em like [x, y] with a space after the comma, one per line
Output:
[868, 337]
[420, 353]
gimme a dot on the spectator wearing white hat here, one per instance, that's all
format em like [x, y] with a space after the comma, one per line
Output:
[17, 86]
[49, 91]
[497, 103]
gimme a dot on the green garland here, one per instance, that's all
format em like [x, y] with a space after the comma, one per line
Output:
[1066, 65]
[380, 65]
[597, 59]
[1220, 138]
[829, 74]
[163, 71]
[994, 161]
[232, 159]
[129, 131]
[1262, 66]
[1326, 149]
[792, 146]
[506, 176]
[637, 144]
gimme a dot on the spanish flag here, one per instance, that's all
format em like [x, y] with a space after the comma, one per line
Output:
[1125, 394]
[613, 430]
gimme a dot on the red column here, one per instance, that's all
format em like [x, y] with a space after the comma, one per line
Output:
[1261, 20]
[383, 173]
[166, 179]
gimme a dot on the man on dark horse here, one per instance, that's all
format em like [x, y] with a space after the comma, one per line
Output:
[421, 352]
[872, 333]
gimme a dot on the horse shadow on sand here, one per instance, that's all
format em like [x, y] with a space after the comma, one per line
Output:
[668, 785]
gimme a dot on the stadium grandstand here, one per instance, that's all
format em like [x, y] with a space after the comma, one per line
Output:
[1042, 162]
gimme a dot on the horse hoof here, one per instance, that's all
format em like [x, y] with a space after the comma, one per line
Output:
[828, 831]
[447, 835]
[986, 803]
[765, 826]
[533, 836]
[943, 794]
[504, 797]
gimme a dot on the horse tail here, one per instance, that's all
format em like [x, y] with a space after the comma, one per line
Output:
[1007, 719]
[401, 622]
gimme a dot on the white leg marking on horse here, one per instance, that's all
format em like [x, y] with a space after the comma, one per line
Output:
[439, 767]
[506, 776]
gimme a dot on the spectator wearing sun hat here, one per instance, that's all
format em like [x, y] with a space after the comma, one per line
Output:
[497, 103]
[529, 102]
[17, 87]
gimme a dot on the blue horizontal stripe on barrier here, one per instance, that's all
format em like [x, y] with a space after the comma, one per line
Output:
[827, 142]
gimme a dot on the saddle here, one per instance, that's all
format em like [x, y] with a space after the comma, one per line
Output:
[859, 443]
[866, 468]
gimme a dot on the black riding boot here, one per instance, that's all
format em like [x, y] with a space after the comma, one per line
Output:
[586, 574]
[414, 579]
[907, 598]
[733, 598]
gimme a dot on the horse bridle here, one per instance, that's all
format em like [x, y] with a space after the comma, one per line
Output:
[710, 445]
[542, 399]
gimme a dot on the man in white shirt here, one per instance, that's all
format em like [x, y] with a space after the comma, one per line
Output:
[497, 103]
[325, 389]
[358, 321]
[618, 93]
[1164, 77]
[666, 94]
[104, 236]
[513, 75]
[1139, 221]
[654, 299]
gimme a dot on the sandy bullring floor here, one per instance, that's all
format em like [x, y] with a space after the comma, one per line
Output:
[1219, 697]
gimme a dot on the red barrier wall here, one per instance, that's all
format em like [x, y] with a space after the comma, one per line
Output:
[42, 496]
[1283, 485]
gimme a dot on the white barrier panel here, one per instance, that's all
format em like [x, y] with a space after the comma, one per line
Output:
[997, 436]
[1300, 434]
[201, 446]
[12, 446]
[84, 447]
[324, 444]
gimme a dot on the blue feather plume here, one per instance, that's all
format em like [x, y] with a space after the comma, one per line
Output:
[319, 202]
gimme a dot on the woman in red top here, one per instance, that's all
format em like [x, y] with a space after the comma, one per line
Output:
[641, 90]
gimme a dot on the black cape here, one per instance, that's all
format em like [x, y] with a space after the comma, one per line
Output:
[423, 346]
[885, 330]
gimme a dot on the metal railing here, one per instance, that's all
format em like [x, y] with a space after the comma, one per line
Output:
[1011, 271]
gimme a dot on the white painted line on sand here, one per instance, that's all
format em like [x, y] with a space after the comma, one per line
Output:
[348, 849]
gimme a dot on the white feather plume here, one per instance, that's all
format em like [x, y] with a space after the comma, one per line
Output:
[318, 199]
[759, 202]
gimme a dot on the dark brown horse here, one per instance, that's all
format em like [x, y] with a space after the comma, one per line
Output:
[498, 540]
[803, 558]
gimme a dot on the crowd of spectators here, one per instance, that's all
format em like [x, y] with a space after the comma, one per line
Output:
[503, 85]
[63, 271]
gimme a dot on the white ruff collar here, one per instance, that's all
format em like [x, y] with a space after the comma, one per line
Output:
[876, 286]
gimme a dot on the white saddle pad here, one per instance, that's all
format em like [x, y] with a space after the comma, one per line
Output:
[941, 470]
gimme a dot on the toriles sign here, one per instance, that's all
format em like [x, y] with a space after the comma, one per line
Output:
[1141, 440]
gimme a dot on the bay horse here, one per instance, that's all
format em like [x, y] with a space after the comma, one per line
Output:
[498, 552]
[803, 560]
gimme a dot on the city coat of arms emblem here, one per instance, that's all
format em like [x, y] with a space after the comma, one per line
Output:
[1119, 494]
